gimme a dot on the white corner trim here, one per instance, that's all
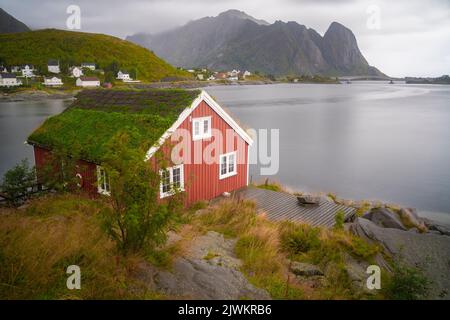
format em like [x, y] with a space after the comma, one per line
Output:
[248, 164]
[203, 96]
[226, 117]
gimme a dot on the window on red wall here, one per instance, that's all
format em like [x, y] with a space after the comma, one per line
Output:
[227, 167]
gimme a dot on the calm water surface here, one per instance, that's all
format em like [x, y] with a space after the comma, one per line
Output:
[17, 121]
[362, 141]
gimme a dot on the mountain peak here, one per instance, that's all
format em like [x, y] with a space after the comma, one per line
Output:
[338, 27]
[9, 24]
[233, 13]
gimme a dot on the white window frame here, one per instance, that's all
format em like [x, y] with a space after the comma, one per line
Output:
[101, 185]
[170, 170]
[201, 124]
[228, 173]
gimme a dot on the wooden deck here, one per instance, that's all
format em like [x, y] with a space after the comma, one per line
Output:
[283, 206]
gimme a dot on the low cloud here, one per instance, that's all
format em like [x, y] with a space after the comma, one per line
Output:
[411, 39]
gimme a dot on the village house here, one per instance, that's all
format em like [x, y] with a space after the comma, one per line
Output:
[190, 115]
[88, 65]
[123, 75]
[76, 72]
[53, 82]
[88, 82]
[211, 77]
[27, 70]
[9, 80]
[16, 69]
[53, 66]
[221, 75]
[3, 69]
[200, 76]
[246, 74]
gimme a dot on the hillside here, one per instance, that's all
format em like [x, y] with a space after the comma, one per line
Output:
[72, 48]
[9, 24]
[235, 40]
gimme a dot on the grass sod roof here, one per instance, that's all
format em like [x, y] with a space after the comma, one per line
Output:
[97, 115]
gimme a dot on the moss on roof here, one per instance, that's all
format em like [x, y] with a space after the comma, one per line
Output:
[97, 115]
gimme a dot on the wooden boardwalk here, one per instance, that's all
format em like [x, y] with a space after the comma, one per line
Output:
[283, 206]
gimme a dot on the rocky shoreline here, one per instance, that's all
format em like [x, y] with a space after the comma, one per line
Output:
[412, 240]
[35, 95]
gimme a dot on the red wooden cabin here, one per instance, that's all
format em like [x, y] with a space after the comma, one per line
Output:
[213, 157]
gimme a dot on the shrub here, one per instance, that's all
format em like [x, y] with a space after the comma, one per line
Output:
[407, 283]
[339, 220]
[137, 219]
[298, 238]
[17, 181]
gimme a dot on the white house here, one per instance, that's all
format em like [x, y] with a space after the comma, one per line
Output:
[88, 82]
[200, 76]
[123, 75]
[88, 65]
[246, 74]
[15, 69]
[76, 72]
[9, 80]
[53, 82]
[27, 70]
[53, 66]
[211, 78]
[3, 69]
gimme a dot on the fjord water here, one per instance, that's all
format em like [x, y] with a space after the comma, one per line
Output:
[17, 121]
[365, 140]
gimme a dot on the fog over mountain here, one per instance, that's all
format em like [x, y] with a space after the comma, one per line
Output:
[234, 39]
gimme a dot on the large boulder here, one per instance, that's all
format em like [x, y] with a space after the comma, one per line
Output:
[385, 218]
[437, 228]
[428, 251]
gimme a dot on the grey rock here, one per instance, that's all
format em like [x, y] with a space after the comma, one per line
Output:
[305, 269]
[385, 218]
[429, 251]
[195, 277]
[439, 228]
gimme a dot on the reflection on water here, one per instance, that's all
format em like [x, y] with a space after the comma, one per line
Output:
[17, 121]
[361, 141]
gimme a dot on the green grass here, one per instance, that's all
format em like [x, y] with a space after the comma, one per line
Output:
[73, 48]
[88, 125]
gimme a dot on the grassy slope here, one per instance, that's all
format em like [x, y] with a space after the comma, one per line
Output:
[37, 245]
[72, 48]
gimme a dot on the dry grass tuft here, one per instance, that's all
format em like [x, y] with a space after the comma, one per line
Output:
[37, 246]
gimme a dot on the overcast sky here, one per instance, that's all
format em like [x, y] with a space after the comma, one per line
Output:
[410, 38]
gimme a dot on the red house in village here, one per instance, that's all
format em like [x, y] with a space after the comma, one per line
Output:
[207, 151]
